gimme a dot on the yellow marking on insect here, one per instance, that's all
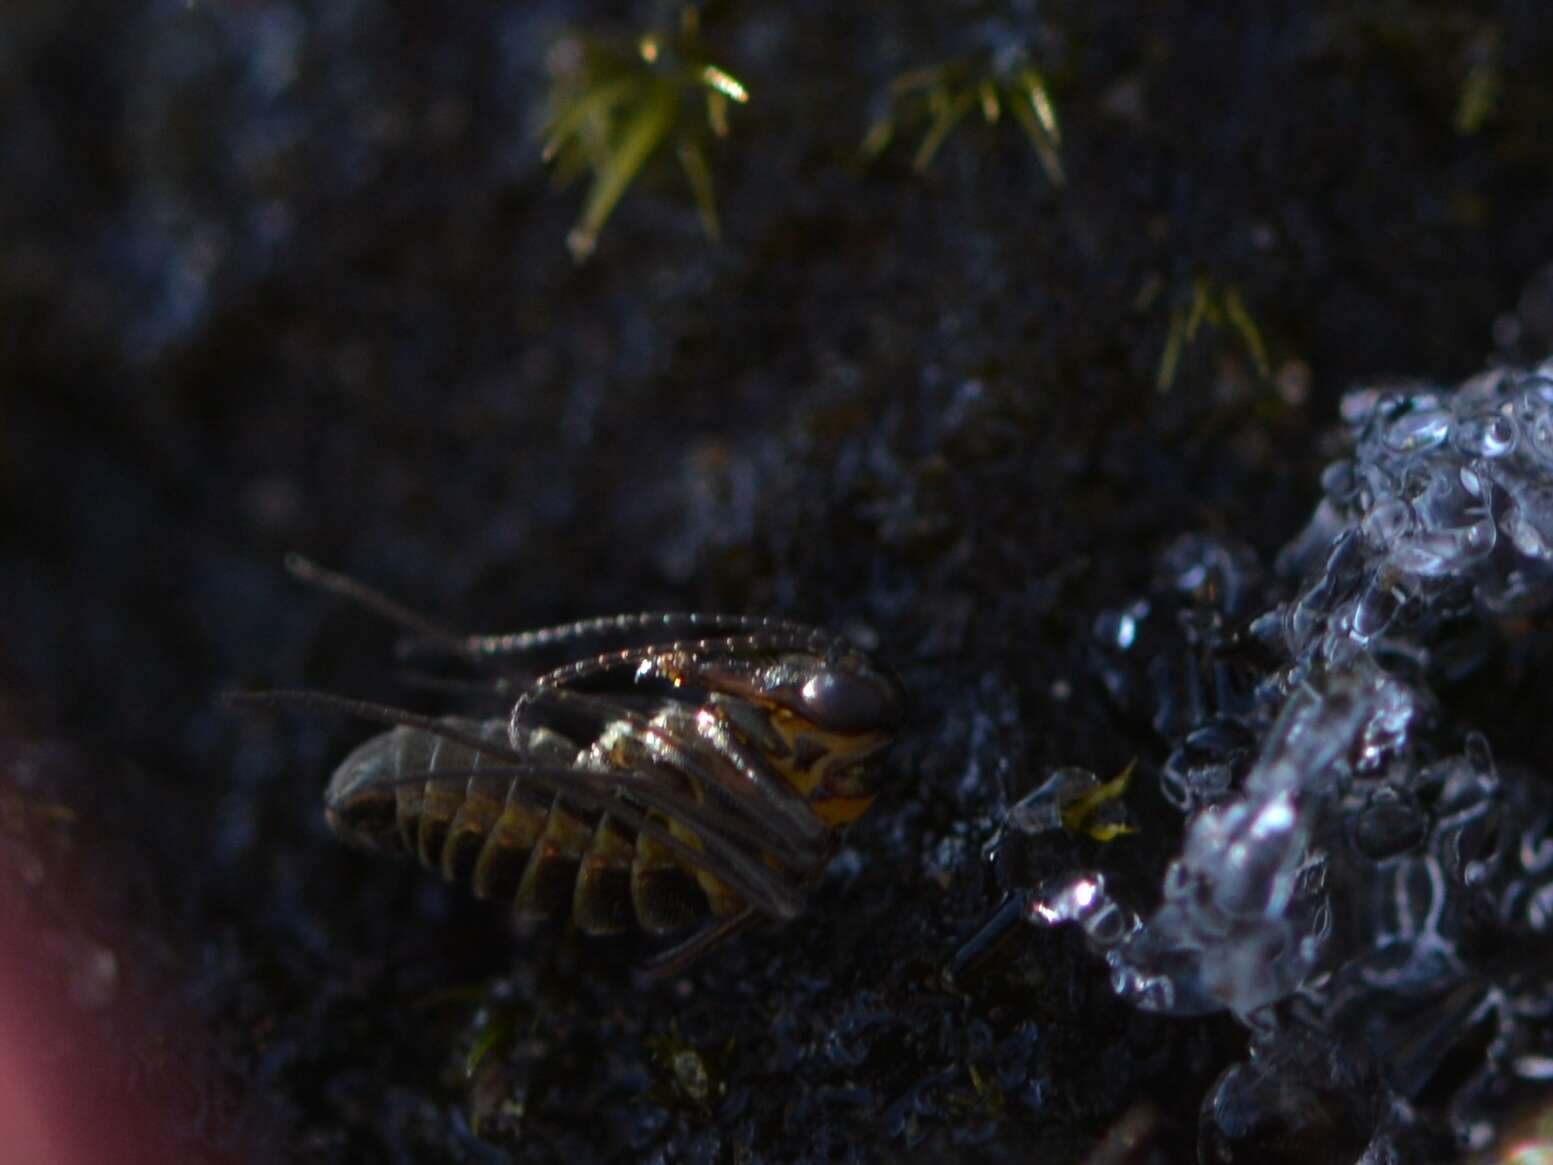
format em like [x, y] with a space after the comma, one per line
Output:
[835, 811]
[792, 728]
[721, 899]
[1077, 814]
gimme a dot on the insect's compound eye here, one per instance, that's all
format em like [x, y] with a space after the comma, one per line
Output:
[851, 699]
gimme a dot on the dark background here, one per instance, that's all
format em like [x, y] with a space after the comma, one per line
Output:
[292, 277]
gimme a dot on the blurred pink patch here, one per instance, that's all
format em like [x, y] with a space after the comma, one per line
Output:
[33, 1127]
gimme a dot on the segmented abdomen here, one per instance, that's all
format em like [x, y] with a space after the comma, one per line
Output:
[508, 839]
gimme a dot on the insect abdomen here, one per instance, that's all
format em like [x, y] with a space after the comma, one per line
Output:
[508, 840]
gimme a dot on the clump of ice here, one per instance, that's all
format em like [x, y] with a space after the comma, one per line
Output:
[1365, 890]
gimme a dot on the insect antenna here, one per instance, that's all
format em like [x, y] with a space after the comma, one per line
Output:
[429, 682]
[308, 571]
[645, 623]
[385, 714]
[479, 647]
[793, 638]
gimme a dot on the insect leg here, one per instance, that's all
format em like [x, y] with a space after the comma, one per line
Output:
[1010, 912]
[629, 796]
[674, 960]
[788, 814]
[744, 808]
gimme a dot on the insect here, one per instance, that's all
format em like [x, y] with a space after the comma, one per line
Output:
[686, 785]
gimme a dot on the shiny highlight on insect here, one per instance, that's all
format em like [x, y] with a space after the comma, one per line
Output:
[687, 784]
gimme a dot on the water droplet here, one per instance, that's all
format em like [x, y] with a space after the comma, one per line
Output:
[1338, 481]
[1375, 610]
[1417, 431]
[1040, 810]
[1445, 551]
[1539, 908]
[1538, 384]
[1539, 432]
[1387, 523]
[1490, 436]
[1391, 823]
[1479, 754]
[1119, 629]
[1521, 527]
[1472, 482]
[1537, 848]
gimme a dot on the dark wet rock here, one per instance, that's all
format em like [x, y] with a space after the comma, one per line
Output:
[289, 276]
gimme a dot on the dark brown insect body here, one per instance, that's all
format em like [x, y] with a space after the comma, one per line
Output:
[724, 804]
[685, 786]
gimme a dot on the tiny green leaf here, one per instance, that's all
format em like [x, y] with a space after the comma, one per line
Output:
[947, 118]
[643, 134]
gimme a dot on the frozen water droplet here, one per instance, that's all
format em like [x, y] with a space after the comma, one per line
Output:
[1482, 391]
[1445, 551]
[1490, 436]
[1175, 785]
[1119, 629]
[1520, 525]
[1539, 908]
[1375, 610]
[1202, 770]
[1538, 384]
[1108, 924]
[1384, 737]
[1040, 811]
[1081, 898]
[1537, 848]
[1387, 523]
[1391, 823]
[1446, 501]
[1479, 754]
[1210, 571]
[1417, 431]
[1539, 432]
[1338, 481]
[1427, 555]
[1472, 482]
[1478, 539]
